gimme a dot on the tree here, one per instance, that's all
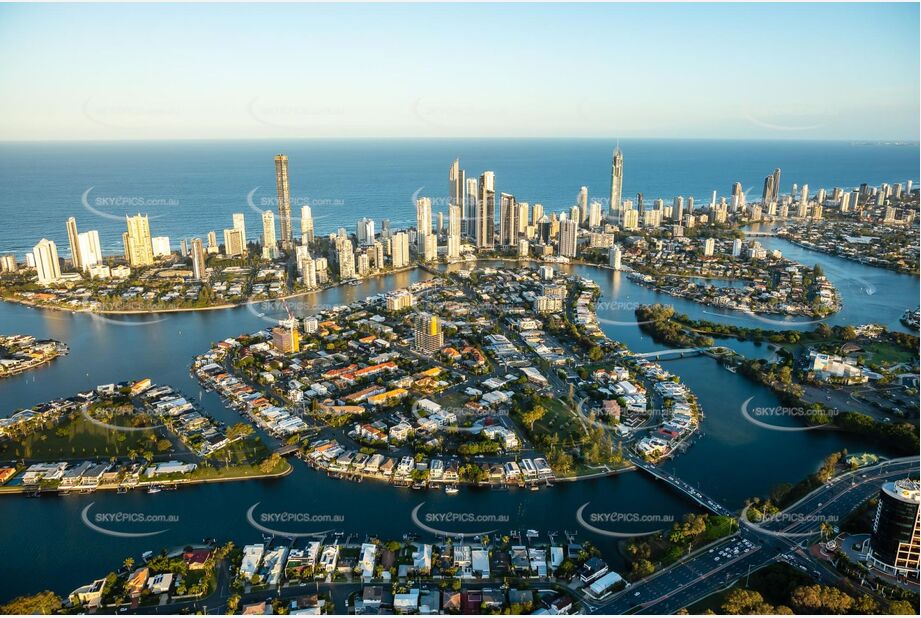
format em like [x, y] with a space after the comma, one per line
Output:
[901, 608]
[642, 568]
[45, 602]
[239, 430]
[128, 563]
[533, 415]
[233, 602]
[742, 601]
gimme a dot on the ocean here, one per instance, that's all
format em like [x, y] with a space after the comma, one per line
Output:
[191, 187]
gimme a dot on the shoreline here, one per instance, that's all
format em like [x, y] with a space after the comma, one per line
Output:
[34, 305]
[20, 489]
[801, 244]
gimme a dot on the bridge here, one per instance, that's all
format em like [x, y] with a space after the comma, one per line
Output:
[760, 233]
[682, 353]
[683, 487]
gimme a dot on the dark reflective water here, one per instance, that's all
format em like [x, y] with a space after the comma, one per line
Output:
[730, 461]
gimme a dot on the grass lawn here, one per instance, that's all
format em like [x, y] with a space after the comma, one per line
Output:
[247, 451]
[560, 420]
[453, 400]
[78, 437]
[882, 353]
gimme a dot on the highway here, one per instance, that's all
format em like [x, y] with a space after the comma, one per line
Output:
[717, 567]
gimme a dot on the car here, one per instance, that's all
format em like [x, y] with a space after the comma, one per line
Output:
[637, 593]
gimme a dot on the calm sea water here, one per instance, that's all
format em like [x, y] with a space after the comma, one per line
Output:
[731, 460]
[194, 187]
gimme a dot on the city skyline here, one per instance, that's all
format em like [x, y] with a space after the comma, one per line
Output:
[600, 70]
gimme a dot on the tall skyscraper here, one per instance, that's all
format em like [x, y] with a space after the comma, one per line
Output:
[569, 238]
[198, 259]
[894, 541]
[617, 183]
[239, 223]
[269, 244]
[615, 255]
[233, 242]
[582, 202]
[364, 231]
[308, 268]
[456, 187]
[468, 213]
[47, 266]
[399, 250]
[423, 219]
[767, 194]
[284, 201]
[161, 246]
[485, 223]
[594, 215]
[454, 230]
[137, 242]
[428, 335]
[345, 257]
[73, 237]
[776, 185]
[90, 249]
[709, 246]
[537, 213]
[212, 242]
[508, 220]
[306, 225]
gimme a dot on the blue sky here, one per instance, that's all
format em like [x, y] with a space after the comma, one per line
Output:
[774, 71]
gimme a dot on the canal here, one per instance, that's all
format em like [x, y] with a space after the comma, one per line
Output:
[731, 460]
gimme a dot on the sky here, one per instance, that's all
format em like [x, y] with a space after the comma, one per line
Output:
[737, 71]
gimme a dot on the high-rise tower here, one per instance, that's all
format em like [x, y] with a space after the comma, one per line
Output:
[485, 219]
[617, 183]
[284, 201]
[74, 238]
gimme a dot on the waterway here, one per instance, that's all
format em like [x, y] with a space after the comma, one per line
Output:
[730, 460]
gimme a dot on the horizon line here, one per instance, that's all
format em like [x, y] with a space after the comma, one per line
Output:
[907, 141]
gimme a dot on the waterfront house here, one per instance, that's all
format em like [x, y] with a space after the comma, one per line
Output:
[367, 560]
[329, 558]
[479, 563]
[252, 558]
[593, 569]
[422, 559]
[90, 595]
[160, 583]
[73, 476]
[137, 581]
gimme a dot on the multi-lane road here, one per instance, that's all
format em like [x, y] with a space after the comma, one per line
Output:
[720, 565]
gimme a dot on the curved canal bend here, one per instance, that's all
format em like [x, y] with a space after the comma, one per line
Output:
[731, 460]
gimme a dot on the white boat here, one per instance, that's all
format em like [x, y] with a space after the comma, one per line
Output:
[153, 490]
[451, 490]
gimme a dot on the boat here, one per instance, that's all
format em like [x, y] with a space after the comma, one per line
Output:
[732, 369]
[534, 488]
[451, 490]
[153, 490]
[122, 490]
